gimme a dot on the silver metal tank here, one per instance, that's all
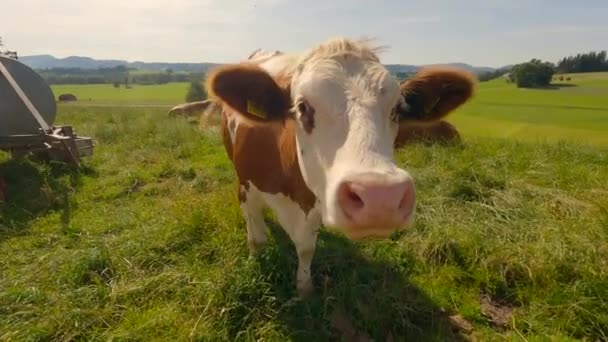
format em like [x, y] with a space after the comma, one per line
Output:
[15, 118]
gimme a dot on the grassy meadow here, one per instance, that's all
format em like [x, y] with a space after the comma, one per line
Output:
[147, 241]
[165, 94]
[575, 111]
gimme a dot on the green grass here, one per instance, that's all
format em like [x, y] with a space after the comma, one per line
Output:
[165, 94]
[147, 243]
[576, 111]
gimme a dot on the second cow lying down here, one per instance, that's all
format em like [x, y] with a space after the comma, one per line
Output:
[312, 136]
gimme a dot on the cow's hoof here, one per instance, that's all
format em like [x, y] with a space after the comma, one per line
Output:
[305, 289]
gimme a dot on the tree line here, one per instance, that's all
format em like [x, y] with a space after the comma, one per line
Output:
[583, 62]
[537, 73]
[490, 75]
[116, 75]
[534, 73]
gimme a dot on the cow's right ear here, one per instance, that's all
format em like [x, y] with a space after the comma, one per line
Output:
[433, 93]
[249, 90]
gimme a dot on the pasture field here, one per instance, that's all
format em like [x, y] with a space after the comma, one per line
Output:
[576, 111]
[166, 94]
[147, 241]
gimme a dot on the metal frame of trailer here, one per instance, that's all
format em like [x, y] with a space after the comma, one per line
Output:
[51, 142]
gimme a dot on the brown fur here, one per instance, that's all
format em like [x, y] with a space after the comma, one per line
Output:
[440, 132]
[264, 152]
[265, 155]
[435, 92]
[255, 85]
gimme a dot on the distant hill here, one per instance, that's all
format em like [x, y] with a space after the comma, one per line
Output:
[471, 68]
[50, 62]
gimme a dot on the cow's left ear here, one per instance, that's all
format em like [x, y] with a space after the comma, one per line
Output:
[433, 93]
[250, 90]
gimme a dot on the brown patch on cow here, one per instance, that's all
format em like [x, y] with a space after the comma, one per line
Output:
[247, 85]
[265, 155]
[264, 151]
[440, 132]
[499, 315]
[434, 92]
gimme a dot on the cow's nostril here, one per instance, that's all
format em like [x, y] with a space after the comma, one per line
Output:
[355, 199]
[350, 201]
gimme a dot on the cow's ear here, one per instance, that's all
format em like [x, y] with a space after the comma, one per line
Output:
[433, 93]
[249, 90]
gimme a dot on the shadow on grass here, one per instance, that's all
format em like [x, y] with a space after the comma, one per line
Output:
[32, 189]
[355, 299]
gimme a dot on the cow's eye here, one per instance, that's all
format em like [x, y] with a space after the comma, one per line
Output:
[304, 108]
[306, 114]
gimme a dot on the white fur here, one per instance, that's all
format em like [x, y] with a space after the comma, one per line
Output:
[233, 126]
[301, 228]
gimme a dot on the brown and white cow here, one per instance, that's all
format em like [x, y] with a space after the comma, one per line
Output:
[311, 136]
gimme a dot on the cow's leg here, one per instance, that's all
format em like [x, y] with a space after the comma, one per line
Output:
[252, 206]
[305, 240]
[302, 229]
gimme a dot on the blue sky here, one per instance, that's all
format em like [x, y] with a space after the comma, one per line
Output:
[483, 33]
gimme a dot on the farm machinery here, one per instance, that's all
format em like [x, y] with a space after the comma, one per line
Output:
[27, 113]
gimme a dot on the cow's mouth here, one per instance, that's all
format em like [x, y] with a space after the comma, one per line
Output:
[372, 232]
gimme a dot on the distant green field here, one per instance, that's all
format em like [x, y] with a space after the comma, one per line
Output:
[170, 93]
[575, 111]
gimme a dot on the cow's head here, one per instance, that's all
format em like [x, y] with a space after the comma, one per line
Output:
[347, 108]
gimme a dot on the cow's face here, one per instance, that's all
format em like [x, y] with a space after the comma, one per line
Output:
[347, 123]
[347, 109]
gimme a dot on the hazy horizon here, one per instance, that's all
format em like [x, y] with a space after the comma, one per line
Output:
[490, 33]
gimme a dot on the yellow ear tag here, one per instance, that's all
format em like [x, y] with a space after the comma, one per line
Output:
[253, 109]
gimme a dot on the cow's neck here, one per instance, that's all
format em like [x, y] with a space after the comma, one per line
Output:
[265, 155]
